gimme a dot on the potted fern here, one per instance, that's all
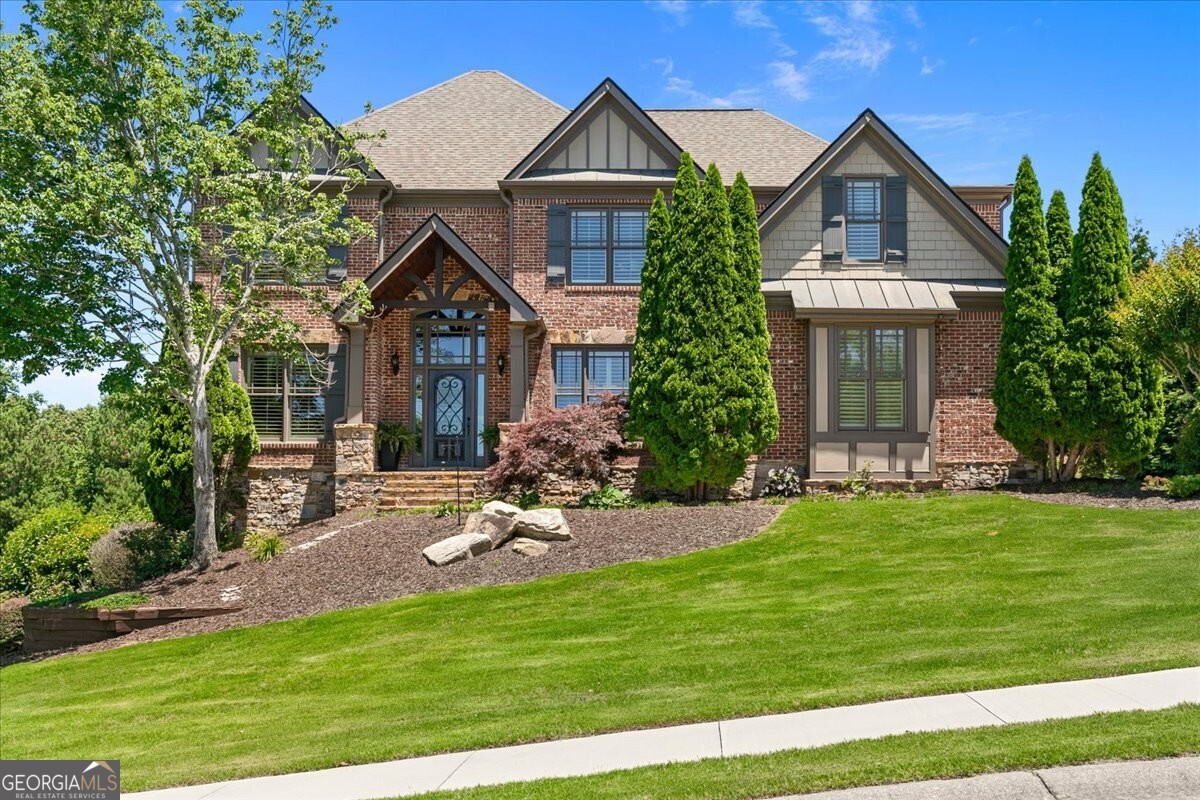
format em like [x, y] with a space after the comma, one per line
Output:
[394, 440]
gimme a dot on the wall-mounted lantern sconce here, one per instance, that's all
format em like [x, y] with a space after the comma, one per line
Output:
[501, 363]
[395, 363]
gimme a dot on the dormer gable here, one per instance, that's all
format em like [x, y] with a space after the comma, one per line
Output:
[321, 157]
[607, 132]
[870, 207]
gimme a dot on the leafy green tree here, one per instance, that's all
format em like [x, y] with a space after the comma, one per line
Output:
[1143, 254]
[1161, 314]
[763, 413]
[645, 382]
[1110, 393]
[1027, 412]
[1058, 231]
[166, 472]
[714, 384]
[127, 177]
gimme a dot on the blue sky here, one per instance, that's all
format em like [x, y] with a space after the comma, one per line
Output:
[970, 86]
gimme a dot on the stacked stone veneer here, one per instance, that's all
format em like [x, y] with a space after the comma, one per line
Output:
[356, 484]
[281, 497]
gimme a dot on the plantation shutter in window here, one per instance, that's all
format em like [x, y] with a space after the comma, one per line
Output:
[831, 218]
[335, 395]
[558, 224]
[264, 379]
[895, 205]
[335, 270]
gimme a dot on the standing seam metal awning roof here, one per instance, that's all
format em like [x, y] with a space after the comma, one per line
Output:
[849, 295]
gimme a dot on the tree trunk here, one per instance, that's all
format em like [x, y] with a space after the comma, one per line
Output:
[204, 493]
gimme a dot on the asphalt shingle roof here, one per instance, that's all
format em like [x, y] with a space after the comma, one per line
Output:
[770, 151]
[470, 131]
[466, 133]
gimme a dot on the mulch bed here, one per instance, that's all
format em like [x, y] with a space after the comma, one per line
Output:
[352, 560]
[1102, 494]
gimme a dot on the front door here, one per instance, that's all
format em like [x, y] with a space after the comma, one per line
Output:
[448, 433]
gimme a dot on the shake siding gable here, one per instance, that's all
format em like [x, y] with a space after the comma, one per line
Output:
[937, 250]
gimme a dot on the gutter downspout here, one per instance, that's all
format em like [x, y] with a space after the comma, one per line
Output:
[1007, 202]
[506, 198]
[530, 331]
[383, 201]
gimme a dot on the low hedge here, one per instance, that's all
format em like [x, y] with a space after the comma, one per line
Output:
[47, 555]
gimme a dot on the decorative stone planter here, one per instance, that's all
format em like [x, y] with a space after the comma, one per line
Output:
[51, 628]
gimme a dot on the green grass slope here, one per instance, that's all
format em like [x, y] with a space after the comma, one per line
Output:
[836, 603]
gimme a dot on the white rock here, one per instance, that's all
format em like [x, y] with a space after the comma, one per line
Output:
[497, 528]
[547, 524]
[530, 547]
[501, 508]
[456, 548]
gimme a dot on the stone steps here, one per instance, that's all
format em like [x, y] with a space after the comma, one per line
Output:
[426, 488]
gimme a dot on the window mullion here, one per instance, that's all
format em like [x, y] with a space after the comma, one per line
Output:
[286, 372]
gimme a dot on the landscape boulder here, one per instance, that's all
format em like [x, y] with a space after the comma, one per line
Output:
[531, 548]
[501, 508]
[496, 527]
[457, 548]
[547, 524]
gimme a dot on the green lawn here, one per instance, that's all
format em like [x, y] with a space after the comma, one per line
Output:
[894, 759]
[837, 603]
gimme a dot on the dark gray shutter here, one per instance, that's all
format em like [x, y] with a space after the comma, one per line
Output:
[335, 394]
[335, 270]
[558, 237]
[895, 206]
[234, 370]
[832, 237]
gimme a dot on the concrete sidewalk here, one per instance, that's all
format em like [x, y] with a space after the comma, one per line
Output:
[1165, 779]
[804, 729]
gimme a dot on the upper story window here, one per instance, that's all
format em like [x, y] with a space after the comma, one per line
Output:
[871, 379]
[287, 397]
[588, 374]
[607, 246]
[864, 219]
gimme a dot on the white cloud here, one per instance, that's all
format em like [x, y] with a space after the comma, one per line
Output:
[937, 122]
[974, 40]
[999, 127]
[857, 40]
[676, 9]
[750, 14]
[667, 64]
[863, 10]
[789, 80]
[738, 97]
[929, 67]
[177, 8]
[914, 19]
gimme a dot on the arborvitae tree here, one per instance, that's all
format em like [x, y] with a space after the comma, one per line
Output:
[1058, 229]
[1110, 394]
[1031, 334]
[649, 348]
[747, 257]
[716, 406]
[166, 474]
[653, 416]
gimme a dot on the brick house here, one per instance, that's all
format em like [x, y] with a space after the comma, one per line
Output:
[505, 267]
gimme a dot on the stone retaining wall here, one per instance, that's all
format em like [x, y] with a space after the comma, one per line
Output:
[282, 497]
[986, 475]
